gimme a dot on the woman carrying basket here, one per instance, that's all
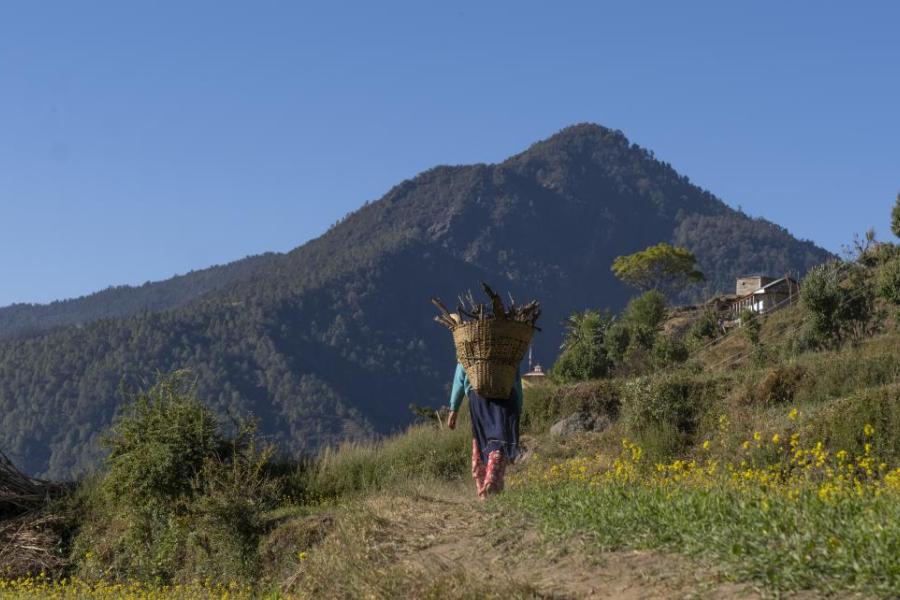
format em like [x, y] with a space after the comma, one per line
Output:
[489, 348]
[495, 430]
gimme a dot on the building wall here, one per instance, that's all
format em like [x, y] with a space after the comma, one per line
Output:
[748, 285]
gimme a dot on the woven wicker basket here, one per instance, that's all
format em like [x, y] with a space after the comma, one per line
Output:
[490, 351]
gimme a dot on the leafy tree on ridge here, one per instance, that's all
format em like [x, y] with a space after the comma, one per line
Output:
[659, 267]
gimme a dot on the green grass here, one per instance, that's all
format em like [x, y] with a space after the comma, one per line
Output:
[422, 452]
[787, 544]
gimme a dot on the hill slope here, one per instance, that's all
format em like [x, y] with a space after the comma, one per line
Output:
[24, 319]
[334, 339]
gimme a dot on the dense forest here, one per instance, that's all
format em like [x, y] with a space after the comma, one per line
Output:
[334, 339]
[122, 301]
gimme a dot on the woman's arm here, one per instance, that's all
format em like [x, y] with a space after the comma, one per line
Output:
[459, 388]
[456, 395]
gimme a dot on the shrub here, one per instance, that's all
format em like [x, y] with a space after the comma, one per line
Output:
[629, 340]
[703, 329]
[584, 355]
[160, 445]
[879, 253]
[838, 302]
[887, 281]
[752, 327]
[779, 385]
[617, 341]
[176, 497]
[843, 423]
[668, 351]
[647, 310]
[653, 402]
[544, 406]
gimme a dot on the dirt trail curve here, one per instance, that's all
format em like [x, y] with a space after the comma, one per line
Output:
[446, 530]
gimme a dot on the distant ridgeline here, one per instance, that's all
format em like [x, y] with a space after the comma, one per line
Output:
[334, 339]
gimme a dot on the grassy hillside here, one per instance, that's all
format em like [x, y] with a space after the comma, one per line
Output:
[736, 473]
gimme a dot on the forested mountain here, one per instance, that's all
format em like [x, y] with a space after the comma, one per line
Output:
[334, 339]
[125, 300]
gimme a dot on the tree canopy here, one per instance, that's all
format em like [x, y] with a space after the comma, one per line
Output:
[659, 267]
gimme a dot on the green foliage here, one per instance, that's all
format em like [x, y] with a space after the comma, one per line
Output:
[672, 400]
[839, 302]
[668, 351]
[422, 452]
[646, 311]
[584, 355]
[177, 496]
[662, 266]
[160, 445]
[779, 385]
[835, 375]
[751, 328]
[887, 282]
[633, 343]
[618, 341]
[545, 405]
[596, 343]
[895, 217]
[703, 330]
[803, 543]
[841, 424]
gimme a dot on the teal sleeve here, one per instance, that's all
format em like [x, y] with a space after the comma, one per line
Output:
[459, 388]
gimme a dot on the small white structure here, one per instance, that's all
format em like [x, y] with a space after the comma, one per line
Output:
[766, 294]
[535, 374]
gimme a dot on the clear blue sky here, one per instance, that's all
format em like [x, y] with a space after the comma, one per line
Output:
[140, 140]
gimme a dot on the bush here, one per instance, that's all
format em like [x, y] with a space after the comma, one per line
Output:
[879, 254]
[843, 423]
[176, 497]
[630, 339]
[617, 341]
[544, 406]
[646, 311]
[657, 402]
[703, 329]
[887, 282]
[160, 445]
[838, 302]
[779, 385]
[668, 351]
[584, 355]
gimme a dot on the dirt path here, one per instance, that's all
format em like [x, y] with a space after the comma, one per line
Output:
[444, 531]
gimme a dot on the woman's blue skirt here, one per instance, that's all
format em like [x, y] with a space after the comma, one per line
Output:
[495, 424]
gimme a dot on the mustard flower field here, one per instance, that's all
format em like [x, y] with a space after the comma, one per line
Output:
[787, 512]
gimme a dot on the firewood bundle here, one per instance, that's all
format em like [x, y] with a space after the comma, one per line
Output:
[469, 309]
[20, 493]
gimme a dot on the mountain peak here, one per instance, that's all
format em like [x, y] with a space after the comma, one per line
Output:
[578, 138]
